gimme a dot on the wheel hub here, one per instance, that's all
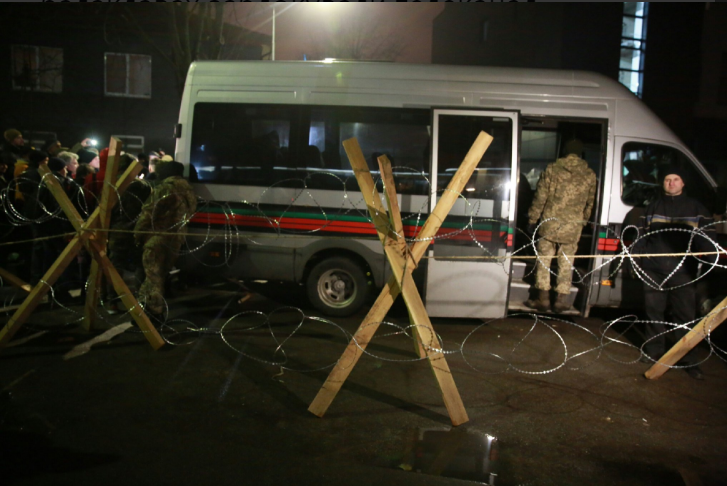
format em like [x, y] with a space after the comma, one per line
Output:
[336, 287]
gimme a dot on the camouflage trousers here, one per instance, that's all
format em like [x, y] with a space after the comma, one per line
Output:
[160, 253]
[546, 251]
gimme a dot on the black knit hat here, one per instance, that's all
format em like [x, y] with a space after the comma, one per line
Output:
[86, 156]
[672, 169]
[55, 164]
[35, 157]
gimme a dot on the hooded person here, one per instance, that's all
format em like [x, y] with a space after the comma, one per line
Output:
[164, 214]
[563, 202]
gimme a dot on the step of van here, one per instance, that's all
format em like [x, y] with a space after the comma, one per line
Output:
[520, 292]
[518, 269]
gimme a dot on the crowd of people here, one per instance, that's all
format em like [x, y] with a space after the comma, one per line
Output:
[144, 224]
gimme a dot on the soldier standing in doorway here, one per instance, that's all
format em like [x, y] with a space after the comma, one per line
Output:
[563, 201]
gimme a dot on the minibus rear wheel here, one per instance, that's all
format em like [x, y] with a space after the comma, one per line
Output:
[337, 286]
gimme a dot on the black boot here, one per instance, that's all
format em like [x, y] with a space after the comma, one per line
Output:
[561, 303]
[542, 303]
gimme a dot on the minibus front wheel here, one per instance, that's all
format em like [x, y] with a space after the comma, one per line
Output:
[337, 286]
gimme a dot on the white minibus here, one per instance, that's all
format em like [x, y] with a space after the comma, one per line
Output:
[261, 142]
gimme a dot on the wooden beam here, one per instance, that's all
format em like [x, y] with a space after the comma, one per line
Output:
[402, 267]
[95, 278]
[355, 349]
[70, 210]
[705, 327]
[127, 297]
[392, 202]
[41, 289]
[86, 231]
[428, 337]
[10, 308]
[109, 198]
[13, 280]
[391, 290]
[368, 190]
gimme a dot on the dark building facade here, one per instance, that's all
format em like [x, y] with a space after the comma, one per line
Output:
[685, 61]
[551, 36]
[82, 70]
[672, 67]
[710, 113]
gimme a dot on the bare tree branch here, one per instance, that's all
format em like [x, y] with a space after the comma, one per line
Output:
[147, 38]
[190, 33]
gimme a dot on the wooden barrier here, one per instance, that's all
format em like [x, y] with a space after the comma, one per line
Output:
[91, 234]
[403, 260]
[13, 280]
[705, 327]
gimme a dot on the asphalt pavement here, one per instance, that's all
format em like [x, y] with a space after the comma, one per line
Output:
[225, 402]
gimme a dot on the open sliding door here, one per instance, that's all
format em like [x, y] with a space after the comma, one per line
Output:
[481, 223]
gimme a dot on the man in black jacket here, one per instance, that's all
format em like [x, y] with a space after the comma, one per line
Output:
[672, 224]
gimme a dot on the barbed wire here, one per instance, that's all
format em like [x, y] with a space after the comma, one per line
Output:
[228, 231]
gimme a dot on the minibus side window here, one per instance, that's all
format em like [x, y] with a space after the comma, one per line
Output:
[400, 134]
[643, 170]
[235, 143]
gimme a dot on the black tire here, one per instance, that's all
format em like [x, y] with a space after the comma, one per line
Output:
[337, 286]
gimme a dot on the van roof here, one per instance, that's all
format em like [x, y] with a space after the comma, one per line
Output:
[605, 87]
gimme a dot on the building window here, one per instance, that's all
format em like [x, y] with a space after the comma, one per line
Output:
[633, 46]
[128, 75]
[37, 68]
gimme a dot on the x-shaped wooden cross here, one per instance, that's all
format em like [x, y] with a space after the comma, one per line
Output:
[91, 234]
[403, 260]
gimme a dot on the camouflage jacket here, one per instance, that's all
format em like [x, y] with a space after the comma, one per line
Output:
[566, 190]
[168, 208]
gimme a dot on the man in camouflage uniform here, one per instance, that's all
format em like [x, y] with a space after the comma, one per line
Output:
[563, 201]
[167, 210]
